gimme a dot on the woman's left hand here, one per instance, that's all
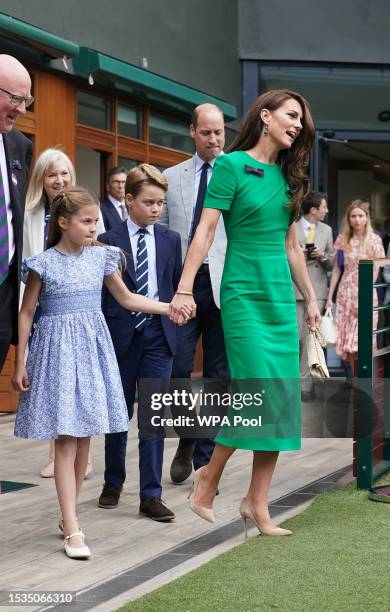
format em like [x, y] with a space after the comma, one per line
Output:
[313, 316]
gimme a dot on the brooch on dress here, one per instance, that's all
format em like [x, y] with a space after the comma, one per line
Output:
[257, 171]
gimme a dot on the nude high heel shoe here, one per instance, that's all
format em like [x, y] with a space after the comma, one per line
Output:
[246, 513]
[205, 513]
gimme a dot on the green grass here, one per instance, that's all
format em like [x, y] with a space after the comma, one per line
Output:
[337, 559]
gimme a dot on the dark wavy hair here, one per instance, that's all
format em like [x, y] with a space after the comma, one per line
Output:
[293, 161]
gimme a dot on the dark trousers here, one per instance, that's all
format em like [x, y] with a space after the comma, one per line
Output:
[148, 356]
[8, 308]
[208, 324]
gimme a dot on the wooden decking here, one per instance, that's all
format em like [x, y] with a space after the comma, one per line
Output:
[32, 556]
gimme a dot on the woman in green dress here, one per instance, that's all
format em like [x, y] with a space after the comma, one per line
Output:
[258, 186]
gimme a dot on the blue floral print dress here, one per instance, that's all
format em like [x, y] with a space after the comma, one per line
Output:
[75, 386]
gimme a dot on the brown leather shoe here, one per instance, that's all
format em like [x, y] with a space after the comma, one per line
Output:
[110, 495]
[154, 508]
[181, 466]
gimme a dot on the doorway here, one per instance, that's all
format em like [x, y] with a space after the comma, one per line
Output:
[347, 165]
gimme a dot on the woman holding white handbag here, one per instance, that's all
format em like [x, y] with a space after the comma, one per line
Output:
[328, 327]
[357, 241]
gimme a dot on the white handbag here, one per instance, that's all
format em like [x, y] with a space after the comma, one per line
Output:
[315, 343]
[328, 328]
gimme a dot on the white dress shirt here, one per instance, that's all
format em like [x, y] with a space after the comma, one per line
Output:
[119, 207]
[151, 250]
[4, 174]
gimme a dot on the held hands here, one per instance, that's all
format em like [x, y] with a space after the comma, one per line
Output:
[182, 308]
[20, 380]
[313, 316]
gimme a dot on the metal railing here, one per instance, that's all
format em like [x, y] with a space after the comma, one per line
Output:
[371, 393]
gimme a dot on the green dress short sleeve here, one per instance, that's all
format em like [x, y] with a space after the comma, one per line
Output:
[222, 187]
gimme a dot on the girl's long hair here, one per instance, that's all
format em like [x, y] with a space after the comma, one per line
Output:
[347, 229]
[293, 161]
[36, 195]
[66, 205]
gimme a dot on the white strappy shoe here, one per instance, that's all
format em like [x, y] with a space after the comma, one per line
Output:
[76, 552]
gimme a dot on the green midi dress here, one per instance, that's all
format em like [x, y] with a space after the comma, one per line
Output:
[257, 302]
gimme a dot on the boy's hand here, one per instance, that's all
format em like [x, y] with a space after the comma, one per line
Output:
[20, 380]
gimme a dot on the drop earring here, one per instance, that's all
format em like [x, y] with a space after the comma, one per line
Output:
[265, 130]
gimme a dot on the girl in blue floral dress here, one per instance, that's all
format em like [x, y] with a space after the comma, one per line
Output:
[71, 387]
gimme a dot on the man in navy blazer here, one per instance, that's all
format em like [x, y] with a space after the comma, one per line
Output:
[15, 158]
[113, 206]
[144, 349]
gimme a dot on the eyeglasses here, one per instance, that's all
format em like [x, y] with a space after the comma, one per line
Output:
[17, 100]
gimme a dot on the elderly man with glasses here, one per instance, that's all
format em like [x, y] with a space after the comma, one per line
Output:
[15, 158]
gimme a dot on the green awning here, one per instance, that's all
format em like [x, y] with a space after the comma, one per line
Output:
[149, 88]
[48, 43]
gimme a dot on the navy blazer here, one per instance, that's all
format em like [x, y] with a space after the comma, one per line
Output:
[18, 154]
[110, 214]
[121, 322]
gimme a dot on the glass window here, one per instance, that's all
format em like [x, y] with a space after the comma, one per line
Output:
[88, 164]
[130, 121]
[170, 133]
[93, 110]
[340, 97]
[127, 163]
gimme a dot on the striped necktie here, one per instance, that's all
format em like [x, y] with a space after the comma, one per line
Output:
[4, 246]
[141, 276]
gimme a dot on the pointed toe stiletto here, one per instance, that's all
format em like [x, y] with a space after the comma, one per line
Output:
[76, 552]
[205, 513]
[246, 513]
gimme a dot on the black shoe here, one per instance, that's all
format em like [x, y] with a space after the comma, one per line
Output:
[153, 508]
[308, 396]
[110, 495]
[181, 467]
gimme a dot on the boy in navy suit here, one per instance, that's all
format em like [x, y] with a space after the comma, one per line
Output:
[144, 344]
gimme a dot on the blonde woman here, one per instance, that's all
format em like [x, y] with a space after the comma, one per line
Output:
[357, 241]
[53, 172]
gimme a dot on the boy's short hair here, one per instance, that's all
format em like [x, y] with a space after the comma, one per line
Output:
[143, 175]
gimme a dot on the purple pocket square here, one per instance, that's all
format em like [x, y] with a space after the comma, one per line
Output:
[15, 164]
